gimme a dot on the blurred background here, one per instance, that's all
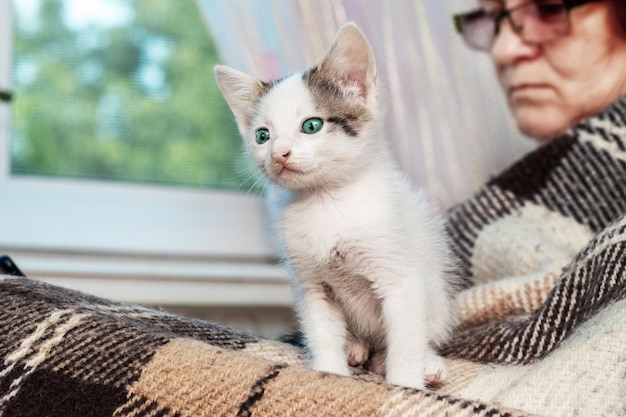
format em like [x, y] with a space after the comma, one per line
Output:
[121, 169]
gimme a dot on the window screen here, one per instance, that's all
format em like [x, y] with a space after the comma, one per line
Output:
[119, 90]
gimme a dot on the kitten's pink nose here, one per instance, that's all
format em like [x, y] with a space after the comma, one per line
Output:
[281, 156]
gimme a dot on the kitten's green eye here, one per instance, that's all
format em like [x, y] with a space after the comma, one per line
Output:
[312, 125]
[262, 136]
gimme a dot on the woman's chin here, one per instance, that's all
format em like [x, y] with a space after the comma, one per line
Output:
[541, 126]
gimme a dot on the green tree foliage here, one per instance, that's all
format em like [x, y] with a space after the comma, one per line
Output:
[132, 100]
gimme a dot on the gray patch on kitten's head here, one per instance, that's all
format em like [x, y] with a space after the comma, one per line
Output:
[333, 103]
[344, 84]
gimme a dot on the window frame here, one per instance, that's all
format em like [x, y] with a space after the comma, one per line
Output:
[139, 243]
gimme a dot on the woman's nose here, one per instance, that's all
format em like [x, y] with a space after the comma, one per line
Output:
[508, 46]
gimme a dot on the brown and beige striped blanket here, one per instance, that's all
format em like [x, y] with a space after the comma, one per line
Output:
[542, 331]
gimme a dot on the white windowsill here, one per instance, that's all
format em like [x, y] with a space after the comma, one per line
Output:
[161, 281]
[142, 244]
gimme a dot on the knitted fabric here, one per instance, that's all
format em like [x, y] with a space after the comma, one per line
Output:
[542, 251]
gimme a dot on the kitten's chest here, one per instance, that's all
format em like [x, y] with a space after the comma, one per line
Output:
[312, 227]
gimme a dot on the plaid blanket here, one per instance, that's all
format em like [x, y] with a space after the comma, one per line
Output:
[542, 250]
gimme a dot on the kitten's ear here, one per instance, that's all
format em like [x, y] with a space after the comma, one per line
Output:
[241, 92]
[350, 58]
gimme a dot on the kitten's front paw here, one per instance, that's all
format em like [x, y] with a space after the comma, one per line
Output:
[434, 369]
[434, 372]
[334, 366]
[357, 351]
[406, 379]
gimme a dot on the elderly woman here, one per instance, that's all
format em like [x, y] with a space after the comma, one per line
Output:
[558, 62]
[562, 66]
[545, 239]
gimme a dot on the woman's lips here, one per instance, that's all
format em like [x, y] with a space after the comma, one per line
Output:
[528, 90]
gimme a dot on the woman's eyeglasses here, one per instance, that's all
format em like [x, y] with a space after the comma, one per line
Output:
[535, 21]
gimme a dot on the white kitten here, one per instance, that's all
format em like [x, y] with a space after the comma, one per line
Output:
[370, 257]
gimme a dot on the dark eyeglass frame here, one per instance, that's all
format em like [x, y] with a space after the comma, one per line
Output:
[497, 17]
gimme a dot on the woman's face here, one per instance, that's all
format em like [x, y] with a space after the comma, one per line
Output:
[551, 86]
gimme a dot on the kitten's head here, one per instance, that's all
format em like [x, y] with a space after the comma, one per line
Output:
[313, 129]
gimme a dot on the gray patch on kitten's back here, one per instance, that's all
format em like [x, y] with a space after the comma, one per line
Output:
[332, 102]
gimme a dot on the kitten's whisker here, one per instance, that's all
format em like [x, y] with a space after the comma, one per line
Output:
[254, 181]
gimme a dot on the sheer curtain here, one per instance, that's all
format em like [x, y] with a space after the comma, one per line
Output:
[446, 117]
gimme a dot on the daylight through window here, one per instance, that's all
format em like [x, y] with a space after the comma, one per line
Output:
[119, 90]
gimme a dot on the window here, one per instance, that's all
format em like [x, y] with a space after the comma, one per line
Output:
[111, 86]
[111, 177]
